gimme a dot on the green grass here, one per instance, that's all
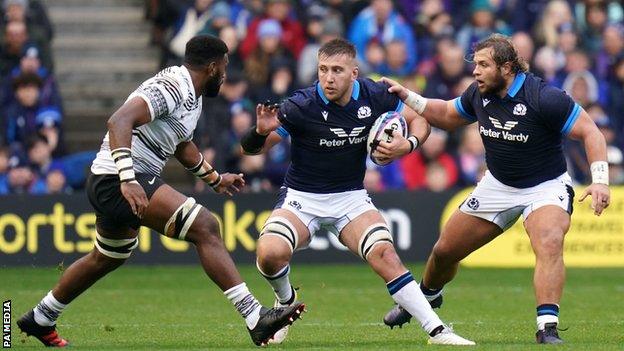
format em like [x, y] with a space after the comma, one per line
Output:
[178, 308]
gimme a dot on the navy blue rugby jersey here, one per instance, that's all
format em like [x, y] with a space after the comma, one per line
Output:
[522, 132]
[328, 141]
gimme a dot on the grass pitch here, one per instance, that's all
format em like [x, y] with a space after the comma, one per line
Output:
[178, 308]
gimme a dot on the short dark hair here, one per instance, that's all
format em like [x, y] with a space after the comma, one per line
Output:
[204, 49]
[27, 79]
[337, 46]
[504, 51]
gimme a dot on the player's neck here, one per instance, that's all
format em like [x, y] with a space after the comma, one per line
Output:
[508, 82]
[344, 100]
[196, 78]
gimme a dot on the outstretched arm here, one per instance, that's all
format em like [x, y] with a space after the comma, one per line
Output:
[439, 113]
[585, 130]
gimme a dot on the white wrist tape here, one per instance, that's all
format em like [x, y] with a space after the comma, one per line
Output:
[204, 171]
[600, 172]
[414, 142]
[123, 161]
[416, 102]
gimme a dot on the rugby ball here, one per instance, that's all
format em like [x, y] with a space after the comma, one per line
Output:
[388, 121]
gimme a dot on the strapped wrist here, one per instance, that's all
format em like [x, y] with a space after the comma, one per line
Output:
[600, 172]
[252, 142]
[414, 142]
[204, 171]
[416, 102]
[122, 157]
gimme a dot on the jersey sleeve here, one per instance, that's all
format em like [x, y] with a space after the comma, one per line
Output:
[463, 103]
[163, 93]
[557, 109]
[381, 98]
[286, 115]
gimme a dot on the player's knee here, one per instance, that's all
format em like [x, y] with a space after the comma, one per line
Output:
[282, 229]
[443, 251]
[205, 229]
[384, 254]
[375, 236]
[180, 222]
[550, 242]
[271, 257]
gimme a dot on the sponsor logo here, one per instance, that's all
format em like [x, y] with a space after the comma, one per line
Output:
[350, 138]
[294, 204]
[325, 114]
[508, 125]
[520, 110]
[486, 102]
[6, 324]
[473, 203]
[561, 198]
[505, 135]
[151, 182]
[364, 112]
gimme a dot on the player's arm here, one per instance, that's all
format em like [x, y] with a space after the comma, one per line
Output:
[263, 136]
[193, 160]
[439, 113]
[132, 114]
[585, 130]
[418, 131]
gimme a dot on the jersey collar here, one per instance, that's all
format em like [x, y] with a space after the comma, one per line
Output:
[516, 84]
[355, 94]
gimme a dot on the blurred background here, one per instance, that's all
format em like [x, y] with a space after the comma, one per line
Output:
[67, 65]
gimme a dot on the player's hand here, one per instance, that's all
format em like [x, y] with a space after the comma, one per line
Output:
[230, 184]
[135, 195]
[601, 196]
[398, 147]
[266, 118]
[396, 88]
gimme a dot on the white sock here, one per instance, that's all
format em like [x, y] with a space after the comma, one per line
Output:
[547, 318]
[245, 303]
[48, 310]
[407, 294]
[280, 283]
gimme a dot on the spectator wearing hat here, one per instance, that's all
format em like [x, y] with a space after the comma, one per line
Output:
[191, 21]
[270, 48]
[482, 24]
[220, 15]
[21, 179]
[380, 23]
[16, 43]
[292, 34]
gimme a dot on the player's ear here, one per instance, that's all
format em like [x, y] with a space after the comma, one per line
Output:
[355, 72]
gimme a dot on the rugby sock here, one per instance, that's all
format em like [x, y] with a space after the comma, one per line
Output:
[281, 284]
[405, 292]
[245, 303]
[48, 310]
[430, 294]
[547, 313]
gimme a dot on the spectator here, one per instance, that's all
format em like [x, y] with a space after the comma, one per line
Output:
[482, 23]
[582, 86]
[450, 69]
[545, 64]
[397, 60]
[4, 168]
[414, 166]
[292, 34]
[281, 82]
[615, 100]
[270, 48]
[219, 18]
[382, 24]
[612, 49]
[471, 156]
[556, 13]
[524, 44]
[595, 23]
[188, 25]
[40, 157]
[56, 183]
[15, 45]
[21, 179]
[26, 116]
[230, 38]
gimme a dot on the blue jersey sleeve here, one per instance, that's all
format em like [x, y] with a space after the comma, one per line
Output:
[557, 109]
[286, 115]
[382, 99]
[463, 104]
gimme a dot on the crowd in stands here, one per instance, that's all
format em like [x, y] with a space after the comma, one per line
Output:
[574, 45]
[425, 44]
[31, 109]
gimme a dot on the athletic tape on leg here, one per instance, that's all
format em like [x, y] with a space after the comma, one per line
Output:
[178, 225]
[282, 228]
[115, 248]
[375, 234]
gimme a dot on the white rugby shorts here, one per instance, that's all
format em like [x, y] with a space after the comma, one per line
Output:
[328, 211]
[503, 204]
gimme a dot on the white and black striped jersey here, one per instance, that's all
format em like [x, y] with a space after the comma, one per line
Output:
[174, 109]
